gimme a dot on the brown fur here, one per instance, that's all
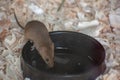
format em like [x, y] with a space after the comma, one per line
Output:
[38, 33]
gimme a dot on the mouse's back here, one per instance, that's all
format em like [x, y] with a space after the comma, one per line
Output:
[36, 28]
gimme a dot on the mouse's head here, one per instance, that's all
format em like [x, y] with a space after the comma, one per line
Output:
[47, 53]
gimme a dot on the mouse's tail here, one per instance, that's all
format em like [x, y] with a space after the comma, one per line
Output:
[18, 21]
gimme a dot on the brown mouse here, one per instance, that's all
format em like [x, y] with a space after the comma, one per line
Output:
[37, 32]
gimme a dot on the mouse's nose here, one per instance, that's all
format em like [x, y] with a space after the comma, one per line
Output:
[51, 64]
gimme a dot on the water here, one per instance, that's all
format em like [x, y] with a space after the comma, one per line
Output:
[65, 62]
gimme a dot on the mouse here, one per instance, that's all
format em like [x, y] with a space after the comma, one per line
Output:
[37, 32]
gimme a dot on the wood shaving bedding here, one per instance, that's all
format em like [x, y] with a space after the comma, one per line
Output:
[91, 17]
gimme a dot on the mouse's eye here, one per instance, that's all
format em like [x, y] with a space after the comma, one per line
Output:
[47, 59]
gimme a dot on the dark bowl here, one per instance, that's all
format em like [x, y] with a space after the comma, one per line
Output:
[77, 57]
